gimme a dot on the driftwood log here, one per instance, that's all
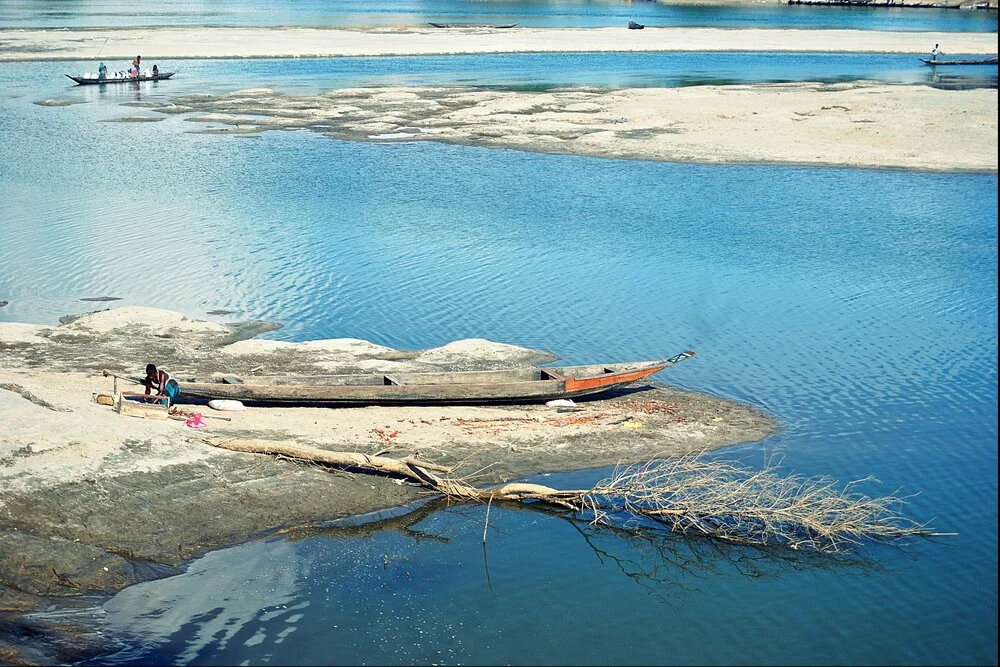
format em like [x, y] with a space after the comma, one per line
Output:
[689, 495]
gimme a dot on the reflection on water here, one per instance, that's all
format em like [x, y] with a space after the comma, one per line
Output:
[415, 578]
[198, 611]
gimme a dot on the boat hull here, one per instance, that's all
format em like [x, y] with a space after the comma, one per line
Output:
[464, 388]
[94, 81]
[940, 63]
[471, 25]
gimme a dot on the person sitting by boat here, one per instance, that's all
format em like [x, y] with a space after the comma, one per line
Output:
[165, 385]
[156, 71]
[102, 71]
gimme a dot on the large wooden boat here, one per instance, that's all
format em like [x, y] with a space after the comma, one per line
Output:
[93, 80]
[459, 388]
[941, 61]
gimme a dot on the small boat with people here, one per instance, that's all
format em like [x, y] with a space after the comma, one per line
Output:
[135, 73]
[520, 385]
[941, 61]
[90, 79]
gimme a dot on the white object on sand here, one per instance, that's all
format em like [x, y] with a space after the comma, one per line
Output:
[226, 404]
[561, 403]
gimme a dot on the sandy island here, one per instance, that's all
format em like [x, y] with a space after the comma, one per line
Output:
[92, 501]
[862, 124]
[220, 42]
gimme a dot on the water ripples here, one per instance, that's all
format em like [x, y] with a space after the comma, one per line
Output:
[857, 307]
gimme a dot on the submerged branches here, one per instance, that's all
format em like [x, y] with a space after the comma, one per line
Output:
[690, 495]
[721, 499]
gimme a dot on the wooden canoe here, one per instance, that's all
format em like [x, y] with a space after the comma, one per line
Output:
[471, 25]
[93, 80]
[940, 61]
[458, 388]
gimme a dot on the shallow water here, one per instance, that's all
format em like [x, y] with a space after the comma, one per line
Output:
[532, 13]
[507, 71]
[858, 307]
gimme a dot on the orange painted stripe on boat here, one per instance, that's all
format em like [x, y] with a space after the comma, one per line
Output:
[609, 379]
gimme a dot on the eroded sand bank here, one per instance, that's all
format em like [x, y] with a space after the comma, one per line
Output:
[92, 501]
[856, 125]
[221, 42]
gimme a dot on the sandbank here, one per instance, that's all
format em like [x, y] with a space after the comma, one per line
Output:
[232, 42]
[92, 501]
[863, 124]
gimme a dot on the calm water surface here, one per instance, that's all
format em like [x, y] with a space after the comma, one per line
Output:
[534, 13]
[508, 71]
[857, 307]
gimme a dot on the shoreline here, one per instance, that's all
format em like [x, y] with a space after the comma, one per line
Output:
[253, 42]
[134, 499]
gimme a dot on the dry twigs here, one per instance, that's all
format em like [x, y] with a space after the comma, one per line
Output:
[717, 498]
[690, 495]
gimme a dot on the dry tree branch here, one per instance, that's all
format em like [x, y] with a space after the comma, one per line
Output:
[690, 495]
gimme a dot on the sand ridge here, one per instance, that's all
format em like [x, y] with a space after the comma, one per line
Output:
[293, 42]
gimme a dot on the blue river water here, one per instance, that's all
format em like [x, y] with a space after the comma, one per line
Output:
[514, 72]
[858, 307]
[531, 13]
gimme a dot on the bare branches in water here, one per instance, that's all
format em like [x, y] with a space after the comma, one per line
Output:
[690, 495]
[693, 495]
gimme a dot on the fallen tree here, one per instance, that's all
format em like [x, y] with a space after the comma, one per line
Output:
[689, 495]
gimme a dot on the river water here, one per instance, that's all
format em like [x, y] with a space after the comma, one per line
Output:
[858, 307]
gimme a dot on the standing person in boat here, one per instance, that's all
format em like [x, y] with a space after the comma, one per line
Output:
[935, 52]
[156, 71]
[135, 67]
[165, 385]
[102, 71]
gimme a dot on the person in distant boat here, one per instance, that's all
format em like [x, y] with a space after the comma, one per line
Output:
[935, 52]
[102, 71]
[159, 379]
[156, 71]
[135, 67]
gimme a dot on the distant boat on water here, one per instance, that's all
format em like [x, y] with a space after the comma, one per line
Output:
[93, 80]
[632, 25]
[941, 61]
[471, 25]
